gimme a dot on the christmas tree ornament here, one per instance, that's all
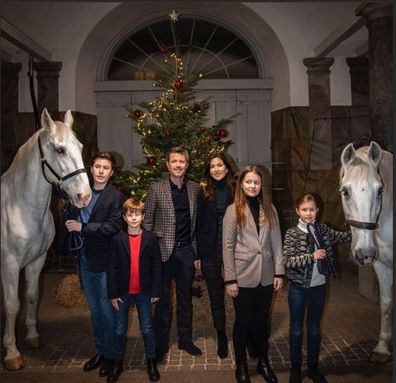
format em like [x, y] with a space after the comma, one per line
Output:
[138, 113]
[223, 133]
[215, 137]
[202, 129]
[174, 16]
[205, 105]
[151, 161]
[168, 133]
[178, 84]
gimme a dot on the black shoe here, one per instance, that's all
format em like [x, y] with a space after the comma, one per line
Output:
[222, 345]
[160, 354]
[115, 372]
[242, 373]
[94, 362]
[190, 348]
[314, 373]
[264, 369]
[106, 367]
[295, 375]
[152, 370]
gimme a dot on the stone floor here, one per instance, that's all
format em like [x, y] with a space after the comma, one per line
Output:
[350, 330]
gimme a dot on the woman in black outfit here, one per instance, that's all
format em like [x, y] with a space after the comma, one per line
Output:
[213, 200]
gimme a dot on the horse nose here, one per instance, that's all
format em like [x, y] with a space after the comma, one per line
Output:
[83, 198]
[365, 256]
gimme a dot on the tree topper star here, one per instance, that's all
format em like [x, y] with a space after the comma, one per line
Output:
[174, 16]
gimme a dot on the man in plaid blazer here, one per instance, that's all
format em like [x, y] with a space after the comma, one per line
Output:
[171, 208]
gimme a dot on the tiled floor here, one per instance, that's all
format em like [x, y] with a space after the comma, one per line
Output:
[350, 329]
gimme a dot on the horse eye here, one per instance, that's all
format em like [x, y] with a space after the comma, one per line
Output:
[60, 150]
[344, 192]
[380, 191]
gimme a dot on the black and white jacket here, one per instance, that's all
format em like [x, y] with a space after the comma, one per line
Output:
[298, 249]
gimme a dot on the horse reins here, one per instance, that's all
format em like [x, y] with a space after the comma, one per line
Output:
[362, 225]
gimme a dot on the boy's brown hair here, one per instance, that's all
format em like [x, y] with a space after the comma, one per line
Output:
[133, 205]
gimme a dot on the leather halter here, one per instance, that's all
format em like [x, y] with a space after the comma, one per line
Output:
[60, 179]
[362, 225]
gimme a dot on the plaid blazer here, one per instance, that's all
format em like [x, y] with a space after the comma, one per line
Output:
[160, 215]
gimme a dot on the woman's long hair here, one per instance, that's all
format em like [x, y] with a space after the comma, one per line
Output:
[267, 215]
[209, 188]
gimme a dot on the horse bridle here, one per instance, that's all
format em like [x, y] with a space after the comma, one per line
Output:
[60, 179]
[362, 225]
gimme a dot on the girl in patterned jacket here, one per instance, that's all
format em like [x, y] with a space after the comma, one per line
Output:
[308, 257]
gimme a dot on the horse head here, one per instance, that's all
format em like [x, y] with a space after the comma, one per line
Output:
[361, 195]
[61, 159]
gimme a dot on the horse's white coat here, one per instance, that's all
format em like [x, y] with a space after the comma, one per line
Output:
[364, 174]
[27, 227]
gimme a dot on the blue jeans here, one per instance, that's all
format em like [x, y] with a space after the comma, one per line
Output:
[103, 317]
[312, 299]
[143, 305]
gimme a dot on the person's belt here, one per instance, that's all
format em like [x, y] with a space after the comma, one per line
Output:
[182, 243]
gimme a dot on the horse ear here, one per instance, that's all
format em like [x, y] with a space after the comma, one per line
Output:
[348, 154]
[46, 120]
[68, 119]
[374, 153]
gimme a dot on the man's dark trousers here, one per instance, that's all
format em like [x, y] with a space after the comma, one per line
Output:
[179, 267]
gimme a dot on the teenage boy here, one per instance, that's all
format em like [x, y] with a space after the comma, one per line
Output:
[97, 223]
[135, 275]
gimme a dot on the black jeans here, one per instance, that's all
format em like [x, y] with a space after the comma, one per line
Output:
[252, 308]
[300, 299]
[211, 271]
[179, 267]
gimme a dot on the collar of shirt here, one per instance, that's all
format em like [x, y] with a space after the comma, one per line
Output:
[174, 186]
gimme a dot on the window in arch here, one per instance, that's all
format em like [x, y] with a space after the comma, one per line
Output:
[206, 48]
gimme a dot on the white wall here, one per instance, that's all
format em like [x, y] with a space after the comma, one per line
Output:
[301, 27]
[62, 28]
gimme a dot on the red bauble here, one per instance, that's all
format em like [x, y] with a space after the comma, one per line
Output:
[151, 161]
[161, 84]
[168, 133]
[199, 153]
[205, 105]
[223, 133]
[216, 137]
[163, 50]
[138, 113]
[202, 129]
[178, 84]
[178, 55]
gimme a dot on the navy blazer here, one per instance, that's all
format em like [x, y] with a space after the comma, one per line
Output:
[207, 224]
[105, 221]
[150, 265]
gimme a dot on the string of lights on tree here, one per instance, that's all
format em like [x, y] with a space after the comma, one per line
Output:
[175, 118]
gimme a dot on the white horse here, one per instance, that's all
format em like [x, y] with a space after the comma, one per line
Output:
[51, 156]
[366, 181]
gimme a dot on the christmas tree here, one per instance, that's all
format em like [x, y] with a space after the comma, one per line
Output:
[175, 118]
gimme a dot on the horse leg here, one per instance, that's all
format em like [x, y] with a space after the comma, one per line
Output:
[32, 274]
[381, 353]
[10, 280]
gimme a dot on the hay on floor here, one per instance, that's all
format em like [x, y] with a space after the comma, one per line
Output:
[69, 293]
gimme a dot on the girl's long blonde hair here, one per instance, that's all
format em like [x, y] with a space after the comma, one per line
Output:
[267, 215]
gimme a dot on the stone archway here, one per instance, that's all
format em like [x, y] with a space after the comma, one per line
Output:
[99, 43]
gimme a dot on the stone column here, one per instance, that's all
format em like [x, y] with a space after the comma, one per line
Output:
[320, 112]
[380, 27]
[359, 71]
[9, 111]
[47, 85]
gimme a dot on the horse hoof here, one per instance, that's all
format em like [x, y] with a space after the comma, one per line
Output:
[377, 358]
[33, 342]
[14, 364]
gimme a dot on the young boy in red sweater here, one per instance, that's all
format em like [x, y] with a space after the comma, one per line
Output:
[135, 275]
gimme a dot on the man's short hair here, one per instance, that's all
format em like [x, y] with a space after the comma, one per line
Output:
[179, 150]
[133, 205]
[109, 156]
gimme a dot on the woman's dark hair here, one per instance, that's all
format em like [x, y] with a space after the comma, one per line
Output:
[105, 156]
[209, 189]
